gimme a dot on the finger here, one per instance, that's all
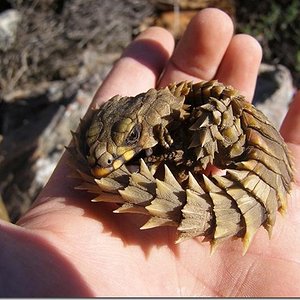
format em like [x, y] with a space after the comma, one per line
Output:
[240, 64]
[139, 67]
[201, 48]
[290, 129]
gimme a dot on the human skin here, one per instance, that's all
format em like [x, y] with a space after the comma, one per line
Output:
[67, 246]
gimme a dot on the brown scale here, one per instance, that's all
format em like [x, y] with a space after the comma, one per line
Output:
[153, 150]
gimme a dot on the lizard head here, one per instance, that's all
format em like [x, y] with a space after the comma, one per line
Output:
[115, 146]
[115, 136]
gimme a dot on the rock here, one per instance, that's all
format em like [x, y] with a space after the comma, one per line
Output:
[274, 92]
[53, 139]
[9, 21]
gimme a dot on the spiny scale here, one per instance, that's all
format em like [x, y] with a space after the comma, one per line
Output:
[224, 130]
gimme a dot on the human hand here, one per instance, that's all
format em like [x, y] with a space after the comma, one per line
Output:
[67, 246]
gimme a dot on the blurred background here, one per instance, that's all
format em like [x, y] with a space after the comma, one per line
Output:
[55, 53]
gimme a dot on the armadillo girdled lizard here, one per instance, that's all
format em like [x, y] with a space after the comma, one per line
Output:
[155, 149]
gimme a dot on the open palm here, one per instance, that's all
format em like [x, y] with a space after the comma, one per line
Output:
[66, 245]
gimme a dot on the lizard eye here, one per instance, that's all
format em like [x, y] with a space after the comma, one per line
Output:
[105, 160]
[133, 135]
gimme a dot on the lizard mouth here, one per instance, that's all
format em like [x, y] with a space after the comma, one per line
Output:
[99, 171]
